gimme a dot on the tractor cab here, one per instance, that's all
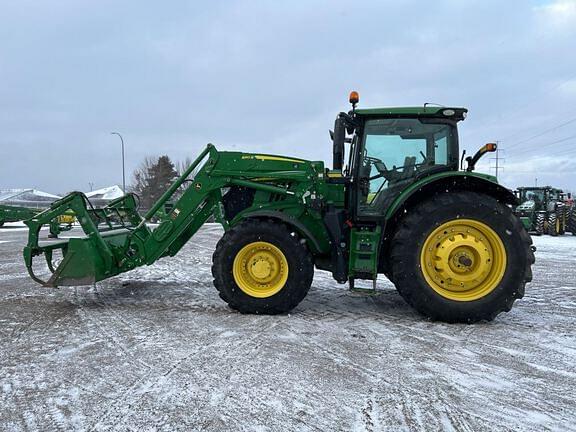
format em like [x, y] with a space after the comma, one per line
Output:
[393, 148]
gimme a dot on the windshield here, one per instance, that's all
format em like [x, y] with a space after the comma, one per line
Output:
[395, 151]
[532, 195]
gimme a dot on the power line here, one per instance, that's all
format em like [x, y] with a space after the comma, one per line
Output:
[543, 133]
[551, 144]
[531, 102]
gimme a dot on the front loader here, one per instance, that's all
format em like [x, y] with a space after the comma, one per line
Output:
[402, 206]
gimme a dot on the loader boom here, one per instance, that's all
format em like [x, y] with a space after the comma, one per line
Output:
[117, 239]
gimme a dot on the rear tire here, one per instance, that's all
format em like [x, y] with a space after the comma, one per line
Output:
[553, 224]
[480, 224]
[562, 214]
[540, 222]
[572, 221]
[261, 267]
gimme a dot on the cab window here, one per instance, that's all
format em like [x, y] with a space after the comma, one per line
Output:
[394, 152]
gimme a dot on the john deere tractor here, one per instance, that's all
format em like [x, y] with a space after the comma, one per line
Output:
[396, 202]
[542, 210]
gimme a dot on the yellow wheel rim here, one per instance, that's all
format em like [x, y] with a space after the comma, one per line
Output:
[260, 269]
[463, 260]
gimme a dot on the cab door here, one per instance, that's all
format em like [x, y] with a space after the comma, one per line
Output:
[393, 154]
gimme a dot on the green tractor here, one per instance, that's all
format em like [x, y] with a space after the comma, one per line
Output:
[542, 210]
[570, 210]
[400, 206]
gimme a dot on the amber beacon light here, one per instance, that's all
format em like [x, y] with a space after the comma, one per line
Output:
[354, 97]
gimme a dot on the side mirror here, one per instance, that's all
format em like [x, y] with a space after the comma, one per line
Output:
[338, 138]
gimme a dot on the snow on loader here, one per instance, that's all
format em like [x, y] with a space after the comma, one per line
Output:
[401, 207]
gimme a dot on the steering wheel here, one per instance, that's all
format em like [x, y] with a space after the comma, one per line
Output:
[380, 166]
[394, 173]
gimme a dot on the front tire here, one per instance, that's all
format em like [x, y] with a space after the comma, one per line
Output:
[461, 257]
[261, 267]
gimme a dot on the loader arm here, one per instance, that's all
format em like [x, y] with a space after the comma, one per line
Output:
[117, 238]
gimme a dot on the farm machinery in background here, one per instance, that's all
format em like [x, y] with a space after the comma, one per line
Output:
[402, 206]
[15, 214]
[57, 225]
[546, 210]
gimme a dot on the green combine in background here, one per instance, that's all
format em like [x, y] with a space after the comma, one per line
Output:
[401, 206]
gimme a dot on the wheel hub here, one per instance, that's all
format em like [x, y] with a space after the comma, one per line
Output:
[463, 259]
[260, 269]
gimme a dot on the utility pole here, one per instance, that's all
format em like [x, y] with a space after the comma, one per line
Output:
[497, 157]
[123, 168]
[91, 186]
[497, 160]
[536, 182]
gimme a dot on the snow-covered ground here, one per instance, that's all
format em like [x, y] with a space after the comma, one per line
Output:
[156, 349]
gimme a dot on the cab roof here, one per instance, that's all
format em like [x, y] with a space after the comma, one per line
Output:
[420, 111]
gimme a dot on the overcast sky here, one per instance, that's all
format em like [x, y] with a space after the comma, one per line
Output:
[270, 76]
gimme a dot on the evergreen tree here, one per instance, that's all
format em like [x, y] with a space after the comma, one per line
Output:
[152, 179]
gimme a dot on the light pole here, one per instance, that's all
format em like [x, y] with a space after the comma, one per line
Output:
[123, 169]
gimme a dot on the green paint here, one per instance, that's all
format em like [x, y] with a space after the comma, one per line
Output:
[428, 111]
[15, 214]
[415, 187]
[294, 191]
[364, 248]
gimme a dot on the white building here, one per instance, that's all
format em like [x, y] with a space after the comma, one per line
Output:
[27, 198]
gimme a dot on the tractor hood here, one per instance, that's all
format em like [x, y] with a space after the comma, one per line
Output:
[253, 165]
[527, 205]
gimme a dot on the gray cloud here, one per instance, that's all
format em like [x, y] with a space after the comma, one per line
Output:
[270, 76]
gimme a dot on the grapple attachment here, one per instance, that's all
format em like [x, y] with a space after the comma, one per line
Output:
[116, 238]
[89, 258]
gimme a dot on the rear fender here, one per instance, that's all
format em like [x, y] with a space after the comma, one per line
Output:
[446, 183]
[428, 187]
